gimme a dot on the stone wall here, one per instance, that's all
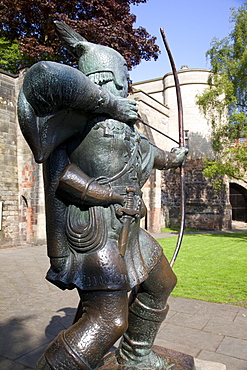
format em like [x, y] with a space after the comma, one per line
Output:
[8, 165]
[206, 209]
[31, 192]
[21, 196]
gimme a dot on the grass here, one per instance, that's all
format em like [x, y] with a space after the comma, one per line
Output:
[210, 267]
[176, 229]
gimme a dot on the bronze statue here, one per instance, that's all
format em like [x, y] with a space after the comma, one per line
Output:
[81, 126]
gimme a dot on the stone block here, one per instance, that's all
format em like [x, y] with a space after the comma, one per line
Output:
[231, 363]
[233, 347]
[188, 320]
[208, 365]
[192, 337]
[227, 328]
[7, 364]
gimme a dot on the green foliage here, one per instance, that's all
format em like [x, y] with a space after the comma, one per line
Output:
[10, 55]
[12, 59]
[224, 102]
[211, 267]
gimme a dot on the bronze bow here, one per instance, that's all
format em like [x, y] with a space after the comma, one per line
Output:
[181, 143]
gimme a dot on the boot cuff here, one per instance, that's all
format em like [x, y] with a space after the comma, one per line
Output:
[148, 313]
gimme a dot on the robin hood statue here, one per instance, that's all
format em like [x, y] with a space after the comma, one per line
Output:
[81, 126]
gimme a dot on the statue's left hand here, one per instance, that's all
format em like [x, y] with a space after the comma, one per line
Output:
[181, 154]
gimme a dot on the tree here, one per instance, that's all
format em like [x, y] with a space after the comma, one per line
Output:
[224, 102]
[10, 55]
[106, 22]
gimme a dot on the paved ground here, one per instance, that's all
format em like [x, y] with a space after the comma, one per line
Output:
[32, 312]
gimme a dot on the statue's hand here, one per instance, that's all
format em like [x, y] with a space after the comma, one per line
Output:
[125, 110]
[101, 198]
[181, 154]
[58, 263]
[121, 109]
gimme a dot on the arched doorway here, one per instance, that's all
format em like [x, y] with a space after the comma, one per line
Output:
[238, 200]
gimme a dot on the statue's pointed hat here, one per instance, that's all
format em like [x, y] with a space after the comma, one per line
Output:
[93, 58]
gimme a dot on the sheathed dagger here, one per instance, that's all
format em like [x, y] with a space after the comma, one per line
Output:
[127, 213]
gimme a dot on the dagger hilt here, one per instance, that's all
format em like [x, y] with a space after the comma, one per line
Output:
[129, 205]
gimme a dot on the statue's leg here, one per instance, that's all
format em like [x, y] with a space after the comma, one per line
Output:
[84, 344]
[147, 312]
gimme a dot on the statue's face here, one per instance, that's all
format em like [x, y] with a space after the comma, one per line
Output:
[105, 67]
[119, 86]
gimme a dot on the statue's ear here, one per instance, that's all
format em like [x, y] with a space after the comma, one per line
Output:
[70, 38]
[80, 48]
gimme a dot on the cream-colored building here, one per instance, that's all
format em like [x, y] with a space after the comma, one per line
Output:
[158, 106]
[206, 209]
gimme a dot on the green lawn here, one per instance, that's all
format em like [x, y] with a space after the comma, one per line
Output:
[211, 267]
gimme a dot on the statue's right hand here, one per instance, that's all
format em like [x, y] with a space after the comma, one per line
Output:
[121, 109]
[116, 198]
[125, 110]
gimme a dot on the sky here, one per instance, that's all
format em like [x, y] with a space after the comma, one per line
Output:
[189, 25]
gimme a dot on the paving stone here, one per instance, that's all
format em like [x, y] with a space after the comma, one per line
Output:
[241, 317]
[190, 337]
[6, 302]
[7, 364]
[195, 321]
[192, 351]
[61, 299]
[232, 363]
[233, 347]
[231, 329]
[30, 359]
[17, 340]
[212, 309]
[212, 313]
[170, 314]
[208, 365]
[36, 318]
[184, 305]
[67, 318]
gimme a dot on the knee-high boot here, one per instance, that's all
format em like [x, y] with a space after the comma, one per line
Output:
[136, 348]
[60, 356]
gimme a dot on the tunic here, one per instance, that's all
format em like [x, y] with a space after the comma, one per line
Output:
[118, 157]
[57, 116]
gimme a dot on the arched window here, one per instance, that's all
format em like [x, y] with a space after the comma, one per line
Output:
[238, 200]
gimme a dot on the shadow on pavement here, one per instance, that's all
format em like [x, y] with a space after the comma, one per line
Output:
[21, 345]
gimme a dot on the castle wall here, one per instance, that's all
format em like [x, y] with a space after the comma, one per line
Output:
[156, 114]
[192, 83]
[206, 208]
[8, 166]
[23, 215]
[153, 88]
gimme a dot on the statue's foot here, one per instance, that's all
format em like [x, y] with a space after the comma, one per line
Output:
[152, 360]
